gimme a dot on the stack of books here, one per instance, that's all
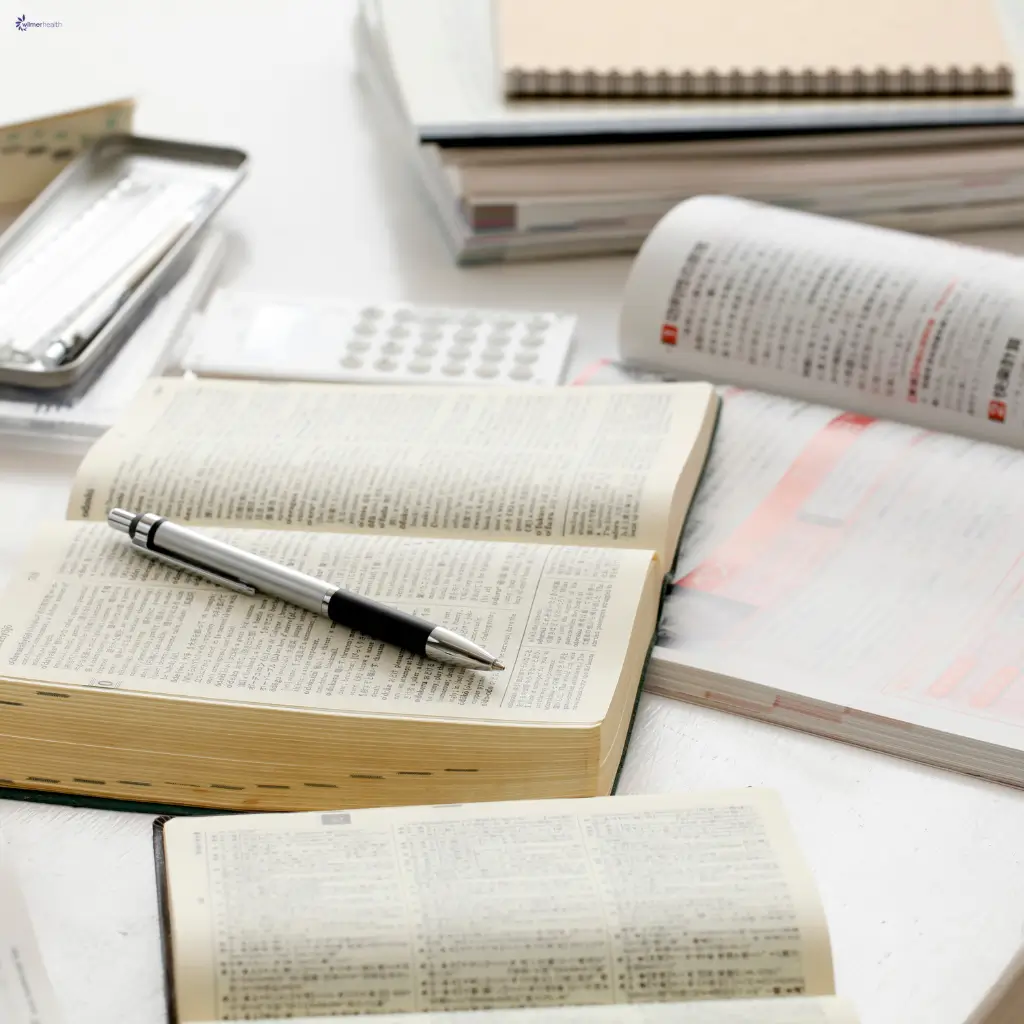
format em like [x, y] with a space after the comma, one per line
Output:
[532, 144]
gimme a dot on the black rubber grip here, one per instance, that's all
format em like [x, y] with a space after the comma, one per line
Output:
[387, 624]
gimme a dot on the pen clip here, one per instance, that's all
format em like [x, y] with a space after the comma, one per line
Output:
[198, 570]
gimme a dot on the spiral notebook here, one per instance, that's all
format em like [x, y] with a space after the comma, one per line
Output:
[684, 48]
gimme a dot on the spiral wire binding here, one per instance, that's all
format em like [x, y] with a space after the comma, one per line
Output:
[760, 82]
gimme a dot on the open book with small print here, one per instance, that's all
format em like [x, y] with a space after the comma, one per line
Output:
[537, 522]
[688, 907]
[854, 562]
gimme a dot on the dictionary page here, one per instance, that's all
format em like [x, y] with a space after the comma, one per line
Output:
[797, 1010]
[87, 609]
[876, 322]
[856, 578]
[609, 900]
[26, 996]
[551, 465]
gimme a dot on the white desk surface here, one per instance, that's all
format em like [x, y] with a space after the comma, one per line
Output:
[920, 870]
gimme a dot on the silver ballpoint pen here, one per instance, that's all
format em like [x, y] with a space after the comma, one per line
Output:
[239, 570]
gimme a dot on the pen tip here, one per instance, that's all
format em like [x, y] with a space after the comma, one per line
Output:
[497, 666]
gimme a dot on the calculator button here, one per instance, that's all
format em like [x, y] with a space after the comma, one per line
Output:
[498, 340]
[503, 323]
[453, 369]
[520, 373]
[386, 365]
[398, 331]
[420, 366]
[358, 346]
[533, 341]
[459, 352]
[392, 347]
[465, 334]
[426, 350]
[430, 334]
[491, 356]
[525, 358]
[403, 315]
[471, 320]
[487, 370]
[352, 362]
[372, 313]
[363, 328]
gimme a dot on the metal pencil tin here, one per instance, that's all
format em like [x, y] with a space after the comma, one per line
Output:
[80, 185]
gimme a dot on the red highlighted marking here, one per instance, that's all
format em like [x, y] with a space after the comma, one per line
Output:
[589, 371]
[995, 686]
[952, 677]
[776, 514]
[915, 372]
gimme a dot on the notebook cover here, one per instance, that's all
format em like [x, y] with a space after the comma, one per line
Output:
[788, 47]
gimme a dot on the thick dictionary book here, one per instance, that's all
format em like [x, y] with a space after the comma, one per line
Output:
[538, 522]
[854, 563]
[535, 912]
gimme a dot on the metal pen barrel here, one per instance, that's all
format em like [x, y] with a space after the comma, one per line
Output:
[158, 534]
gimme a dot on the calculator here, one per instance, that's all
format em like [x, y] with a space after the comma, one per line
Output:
[257, 337]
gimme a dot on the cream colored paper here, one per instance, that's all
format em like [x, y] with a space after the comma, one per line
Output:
[806, 1010]
[542, 465]
[86, 609]
[614, 900]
